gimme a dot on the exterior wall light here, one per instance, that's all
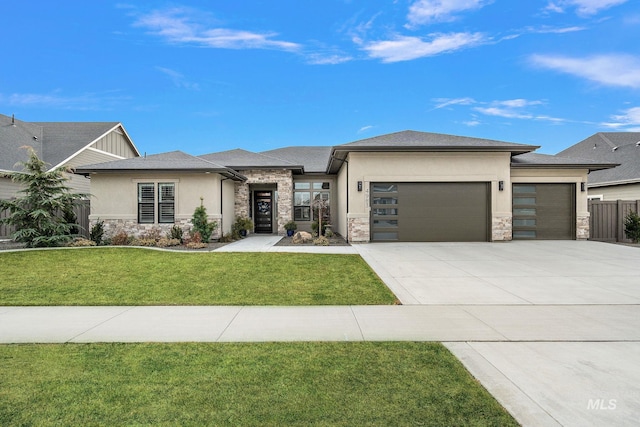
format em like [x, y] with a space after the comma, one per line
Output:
[583, 186]
[501, 185]
[359, 185]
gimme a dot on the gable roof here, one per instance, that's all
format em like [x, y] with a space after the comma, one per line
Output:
[242, 159]
[535, 160]
[173, 161]
[313, 158]
[54, 142]
[621, 148]
[410, 140]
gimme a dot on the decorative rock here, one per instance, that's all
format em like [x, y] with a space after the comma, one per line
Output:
[301, 237]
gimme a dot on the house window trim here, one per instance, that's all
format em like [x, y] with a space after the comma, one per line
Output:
[156, 203]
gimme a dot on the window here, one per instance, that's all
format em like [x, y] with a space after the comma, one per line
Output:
[166, 202]
[147, 202]
[305, 194]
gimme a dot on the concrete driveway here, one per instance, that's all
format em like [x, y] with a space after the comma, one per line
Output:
[569, 312]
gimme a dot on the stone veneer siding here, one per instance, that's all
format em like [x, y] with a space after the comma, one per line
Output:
[582, 227]
[284, 185]
[501, 228]
[358, 230]
[133, 228]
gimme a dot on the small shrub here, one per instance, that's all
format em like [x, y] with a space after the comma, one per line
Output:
[143, 242]
[315, 226]
[226, 238]
[121, 239]
[96, 234]
[321, 241]
[242, 223]
[151, 234]
[328, 233]
[193, 237]
[81, 242]
[291, 226]
[165, 242]
[632, 226]
[175, 233]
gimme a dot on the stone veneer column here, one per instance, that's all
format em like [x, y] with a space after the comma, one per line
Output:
[358, 230]
[501, 228]
[283, 179]
[582, 227]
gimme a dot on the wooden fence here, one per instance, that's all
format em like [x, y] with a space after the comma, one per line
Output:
[606, 223]
[82, 209]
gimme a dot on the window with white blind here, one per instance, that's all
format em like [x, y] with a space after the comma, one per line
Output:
[166, 202]
[147, 202]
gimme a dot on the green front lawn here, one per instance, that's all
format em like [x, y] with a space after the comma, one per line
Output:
[131, 276]
[333, 384]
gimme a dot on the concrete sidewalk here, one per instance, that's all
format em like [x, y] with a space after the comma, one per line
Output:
[319, 323]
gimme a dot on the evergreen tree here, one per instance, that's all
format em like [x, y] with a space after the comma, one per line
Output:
[201, 223]
[43, 212]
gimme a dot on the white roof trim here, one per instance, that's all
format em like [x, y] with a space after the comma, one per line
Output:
[611, 183]
[65, 161]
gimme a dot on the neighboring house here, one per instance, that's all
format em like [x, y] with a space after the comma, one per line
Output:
[404, 186]
[623, 148]
[60, 144]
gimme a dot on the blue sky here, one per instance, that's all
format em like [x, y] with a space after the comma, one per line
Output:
[205, 76]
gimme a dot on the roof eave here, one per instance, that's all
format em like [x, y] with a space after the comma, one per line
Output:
[611, 183]
[590, 167]
[229, 173]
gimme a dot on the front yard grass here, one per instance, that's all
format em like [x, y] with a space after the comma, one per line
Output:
[131, 276]
[336, 384]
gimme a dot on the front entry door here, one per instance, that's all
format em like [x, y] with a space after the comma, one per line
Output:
[263, 207]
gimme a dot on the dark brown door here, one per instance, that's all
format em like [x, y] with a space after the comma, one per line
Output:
[544, 211]
[430, 212]
[263, 211]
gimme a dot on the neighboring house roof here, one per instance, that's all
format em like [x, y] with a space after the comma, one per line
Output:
[54, 142]
[164, 162]
[313, 158]
[535, 160]
[409, 140]
[242, 159]
[622, 148]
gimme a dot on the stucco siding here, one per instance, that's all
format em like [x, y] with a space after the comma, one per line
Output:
[228, 207]
[341, 207]
[426, 167]
[617, 192]
[115, 196]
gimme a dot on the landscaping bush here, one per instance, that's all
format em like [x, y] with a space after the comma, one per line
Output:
[201, 224]
[96, 234]
[632, 226]
[166, 242]
[321, 241]
[81, 242]
[175, 233]
[121, 239]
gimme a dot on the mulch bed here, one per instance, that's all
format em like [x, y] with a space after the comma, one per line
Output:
[336, 240]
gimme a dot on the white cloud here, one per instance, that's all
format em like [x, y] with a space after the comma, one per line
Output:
[178, 79]
[503, 112]
[629, 117]
[446, 102]
[403, 48]
[583, 7]
[365, 128]
[176, 26]
[324, 59]
[610, 69]
[86, 101]
[427, 11]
